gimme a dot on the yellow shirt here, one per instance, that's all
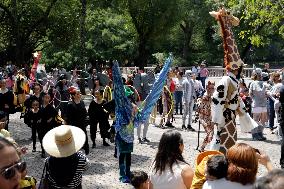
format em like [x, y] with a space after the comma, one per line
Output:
[27, 183]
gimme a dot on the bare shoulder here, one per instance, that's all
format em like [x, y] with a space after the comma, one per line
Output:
[187, 175]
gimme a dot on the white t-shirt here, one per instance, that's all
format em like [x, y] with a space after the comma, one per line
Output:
[224, 184]
[169, 180]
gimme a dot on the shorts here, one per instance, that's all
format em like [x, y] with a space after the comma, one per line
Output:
[258, 110]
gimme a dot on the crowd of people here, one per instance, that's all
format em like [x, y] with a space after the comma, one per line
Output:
[52, 101]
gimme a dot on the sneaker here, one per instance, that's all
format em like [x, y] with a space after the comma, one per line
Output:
[257, 137]
[43, 154]
[169, 125]
[87, 151]
[124, 179]
[189, 128]
[183, 127]
[94, 145]
[34, 150]
[145, 140]
[140, 141]
[105, 143]
[112, 138]
[262, 137]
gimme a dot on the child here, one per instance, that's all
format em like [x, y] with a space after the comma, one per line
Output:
[48, 115]
[34, 119]
[140, 180]
[216, 172]
[204, 111]
[125, 149]
[27, 182]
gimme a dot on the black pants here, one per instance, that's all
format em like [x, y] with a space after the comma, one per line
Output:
[6, 126]
[104, 127]
[86, 144]
[41, 132]
[282, 128]
[34, 130]
[124, 164]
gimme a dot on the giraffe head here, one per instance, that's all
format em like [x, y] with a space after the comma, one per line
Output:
[225, 15]
[232, 58]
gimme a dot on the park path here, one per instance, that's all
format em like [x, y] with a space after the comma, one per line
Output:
[103, 170]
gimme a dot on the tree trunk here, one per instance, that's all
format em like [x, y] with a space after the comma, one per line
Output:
[83, 31]
[143, 54]
[187, 28]
[245, 52]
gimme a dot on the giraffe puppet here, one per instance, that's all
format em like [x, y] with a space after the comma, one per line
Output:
[226, 100]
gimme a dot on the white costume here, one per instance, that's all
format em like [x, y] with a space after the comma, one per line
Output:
[189, 95]
[226, 104]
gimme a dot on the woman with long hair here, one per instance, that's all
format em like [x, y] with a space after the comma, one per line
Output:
[77, 114]
[169, 169]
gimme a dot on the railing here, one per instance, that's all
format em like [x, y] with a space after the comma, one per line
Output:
[213, 71]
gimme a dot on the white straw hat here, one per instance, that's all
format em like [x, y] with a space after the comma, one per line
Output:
[63, 141]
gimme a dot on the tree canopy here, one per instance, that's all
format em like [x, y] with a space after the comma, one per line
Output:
[75, 32]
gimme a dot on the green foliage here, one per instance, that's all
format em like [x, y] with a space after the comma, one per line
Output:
[136, 29]
[110, 35]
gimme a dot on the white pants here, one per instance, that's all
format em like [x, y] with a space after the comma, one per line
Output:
[145, 129]
[187, 110]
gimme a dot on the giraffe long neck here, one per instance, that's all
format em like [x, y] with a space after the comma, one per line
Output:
[231, 53]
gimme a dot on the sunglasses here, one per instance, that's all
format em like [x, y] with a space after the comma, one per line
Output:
[10, 172]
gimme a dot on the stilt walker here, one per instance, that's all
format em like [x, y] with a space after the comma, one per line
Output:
[226, 100]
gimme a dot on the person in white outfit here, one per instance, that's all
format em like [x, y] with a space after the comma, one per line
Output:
[170, 170]
[188, 99]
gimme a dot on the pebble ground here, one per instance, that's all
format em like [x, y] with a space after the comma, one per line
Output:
[103, 172]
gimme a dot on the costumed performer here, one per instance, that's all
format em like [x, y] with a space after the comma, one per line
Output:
[226, 100]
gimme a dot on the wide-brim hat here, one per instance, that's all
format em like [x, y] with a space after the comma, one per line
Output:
[63, 141]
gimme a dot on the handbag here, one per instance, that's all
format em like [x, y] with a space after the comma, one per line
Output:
[44, 180]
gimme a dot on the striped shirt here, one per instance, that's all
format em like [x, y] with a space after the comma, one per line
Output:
[77, 178]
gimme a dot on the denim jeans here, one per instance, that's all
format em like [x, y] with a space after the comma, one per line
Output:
[271, 113]
[203, 79]
[178, 101]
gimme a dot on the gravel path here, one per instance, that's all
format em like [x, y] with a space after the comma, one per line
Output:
[103, 170]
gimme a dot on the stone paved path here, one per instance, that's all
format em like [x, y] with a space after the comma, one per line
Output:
[103, 171]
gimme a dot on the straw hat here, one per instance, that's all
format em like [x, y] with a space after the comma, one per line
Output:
[63, 141]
